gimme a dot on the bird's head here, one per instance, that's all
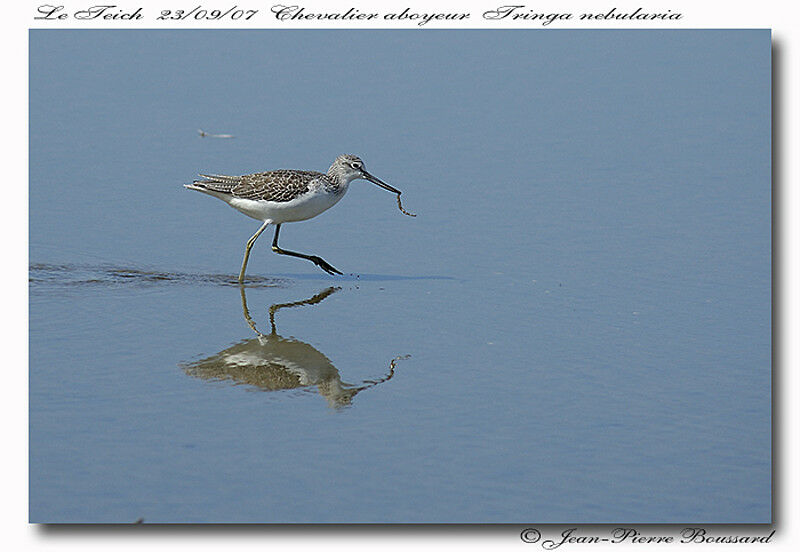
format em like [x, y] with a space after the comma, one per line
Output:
[347, 168]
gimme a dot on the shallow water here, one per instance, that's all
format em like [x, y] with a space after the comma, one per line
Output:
[575, 328]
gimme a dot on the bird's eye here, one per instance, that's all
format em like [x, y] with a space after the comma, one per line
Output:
[356, 165]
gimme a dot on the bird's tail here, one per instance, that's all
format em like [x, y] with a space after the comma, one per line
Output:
[219, 183]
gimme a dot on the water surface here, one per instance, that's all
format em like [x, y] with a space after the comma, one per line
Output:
[575, 328]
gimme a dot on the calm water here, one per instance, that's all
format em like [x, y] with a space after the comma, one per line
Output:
[575, 328]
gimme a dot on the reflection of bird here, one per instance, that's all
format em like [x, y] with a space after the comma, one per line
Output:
[275, 197]
[272, 362]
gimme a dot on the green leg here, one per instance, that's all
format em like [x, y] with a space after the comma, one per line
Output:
[247, 249]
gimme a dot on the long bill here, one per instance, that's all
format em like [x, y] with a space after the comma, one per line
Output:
[380, 182]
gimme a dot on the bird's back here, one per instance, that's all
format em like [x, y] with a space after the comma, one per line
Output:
[280, 185]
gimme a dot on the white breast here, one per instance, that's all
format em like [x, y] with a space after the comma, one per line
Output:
[304, 207]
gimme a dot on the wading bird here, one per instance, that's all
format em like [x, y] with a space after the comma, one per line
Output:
[285, 195]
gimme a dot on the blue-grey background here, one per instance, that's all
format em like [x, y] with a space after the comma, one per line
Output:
[585, 293]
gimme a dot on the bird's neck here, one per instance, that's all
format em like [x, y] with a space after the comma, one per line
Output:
[333, 177]
[338, 182]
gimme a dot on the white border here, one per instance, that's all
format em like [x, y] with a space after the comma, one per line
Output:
[695, 14]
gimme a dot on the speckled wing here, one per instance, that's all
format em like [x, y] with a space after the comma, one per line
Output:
[217, 183]
[281, 185]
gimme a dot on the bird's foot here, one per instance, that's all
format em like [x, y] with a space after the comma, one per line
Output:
[323, 264]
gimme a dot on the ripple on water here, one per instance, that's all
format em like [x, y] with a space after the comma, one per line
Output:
[44, 275]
